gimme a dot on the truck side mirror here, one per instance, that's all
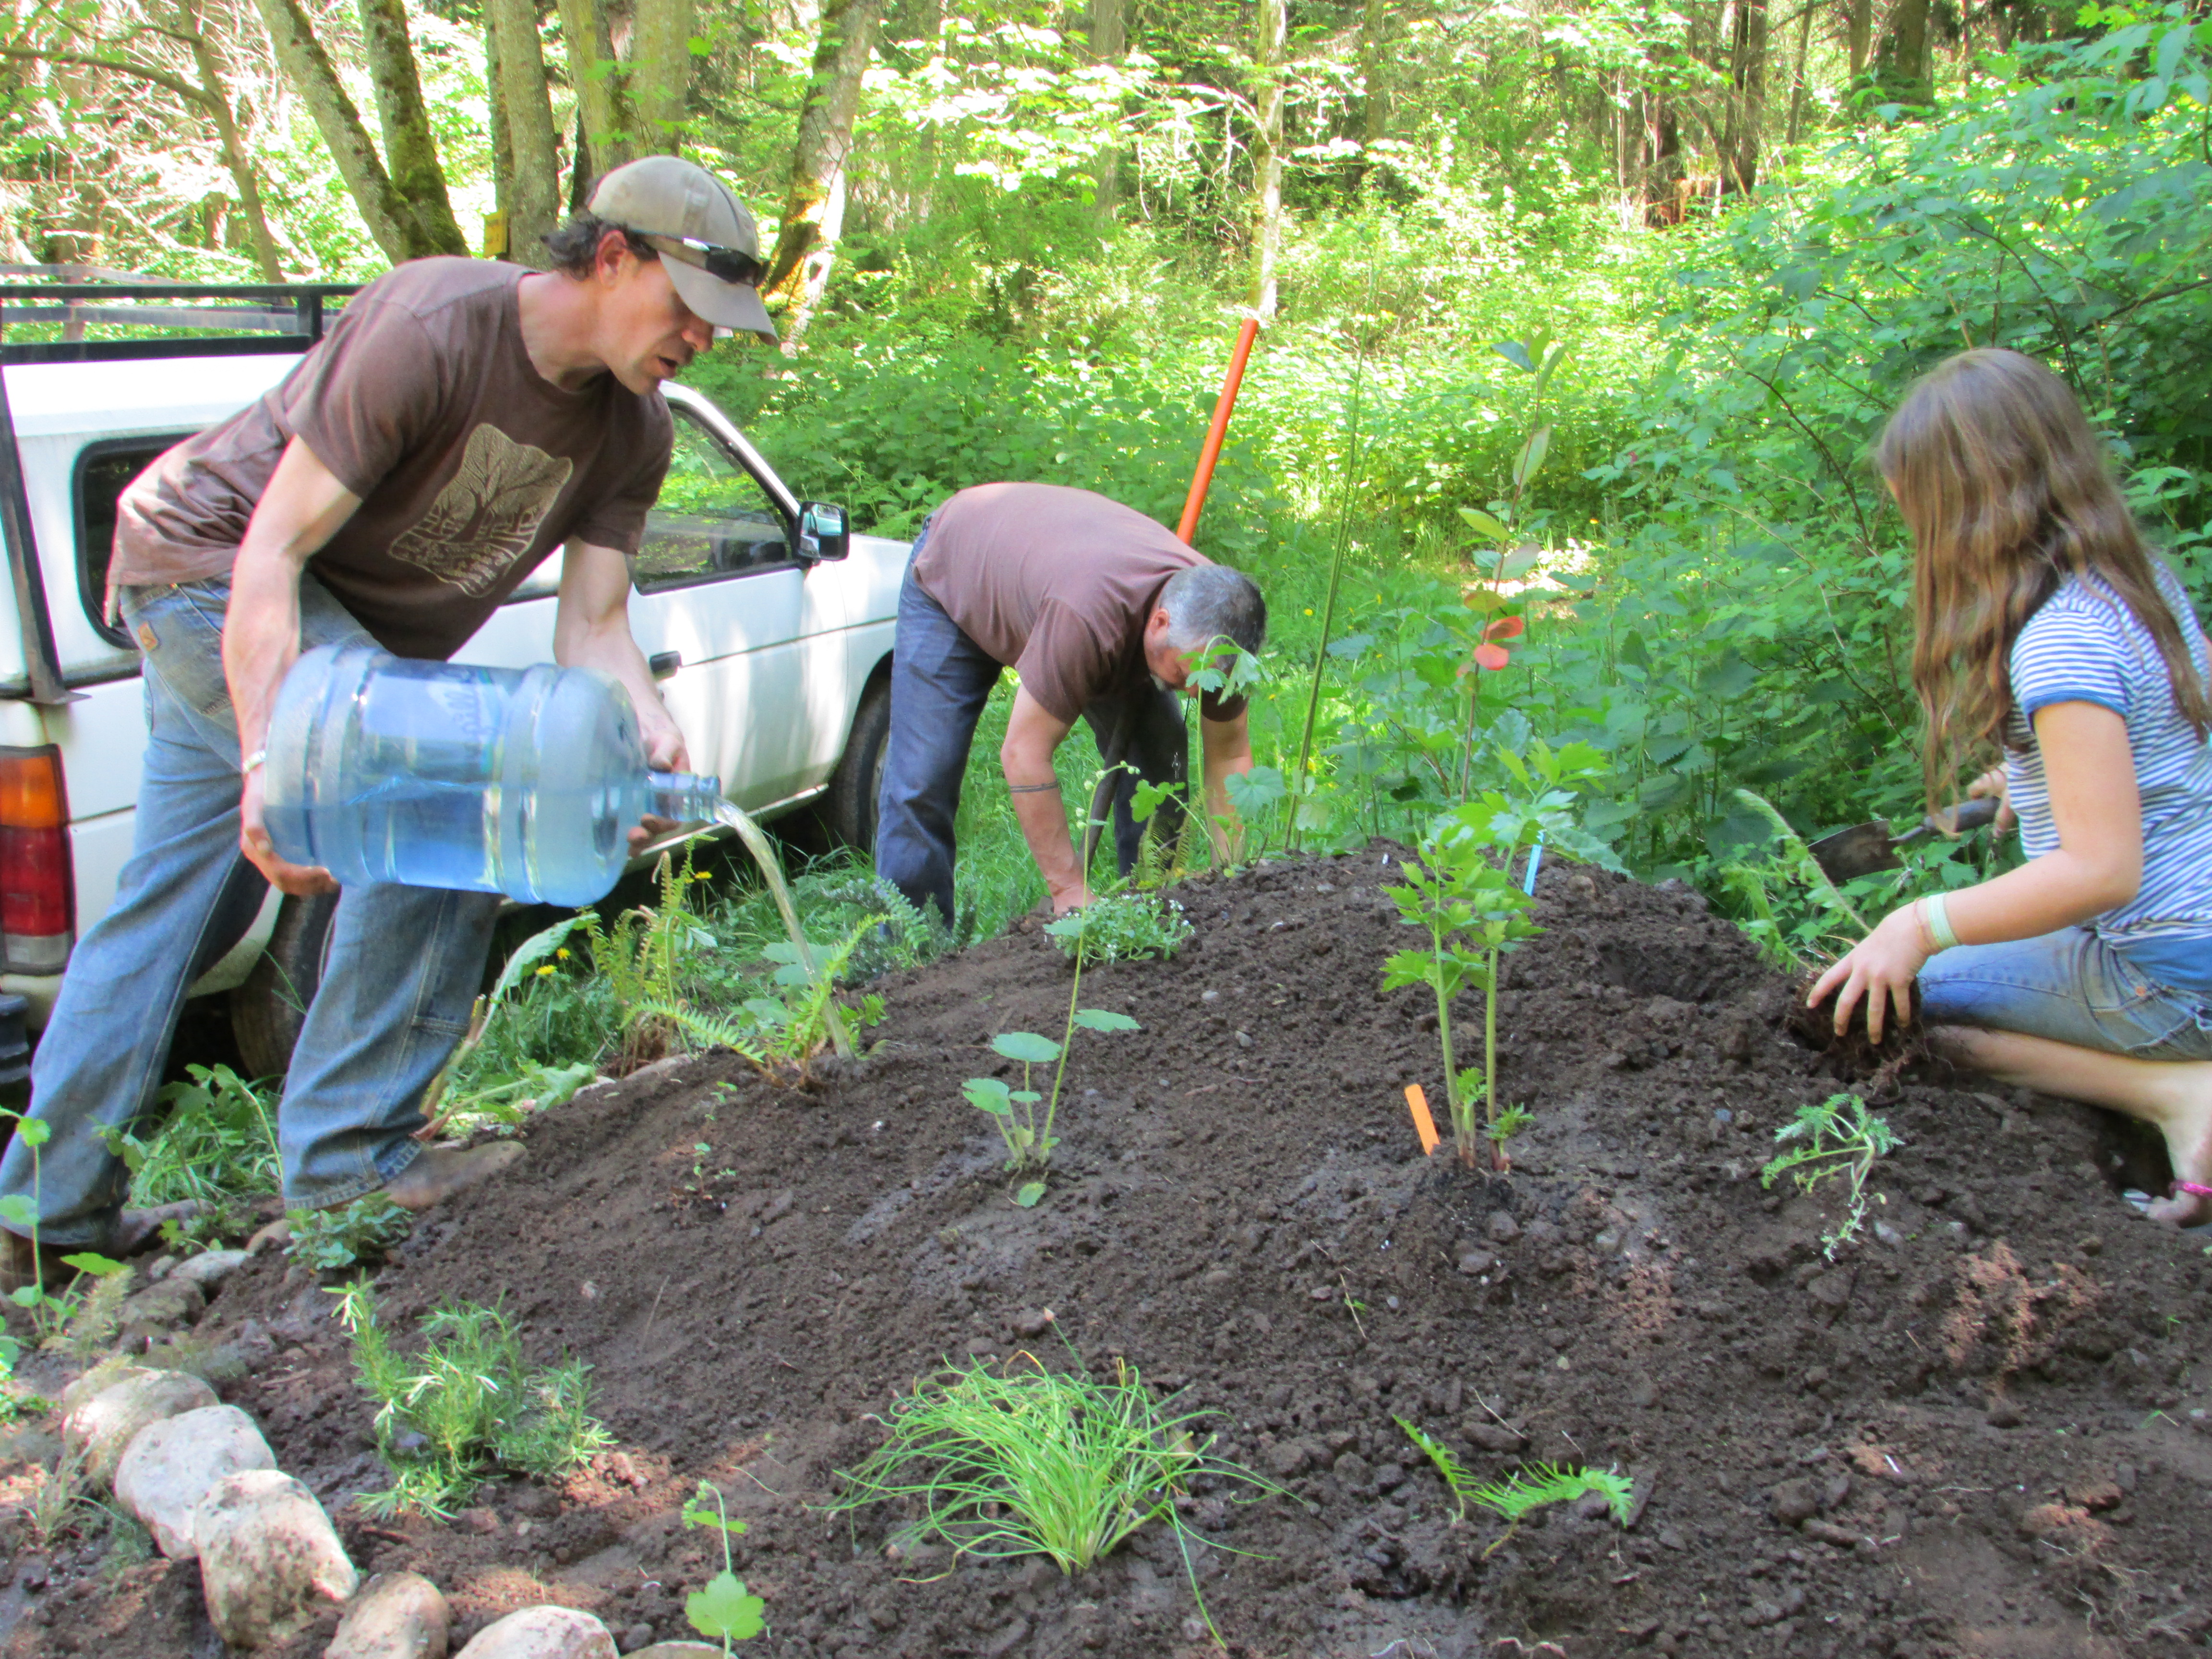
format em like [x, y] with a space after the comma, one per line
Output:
[824, 532]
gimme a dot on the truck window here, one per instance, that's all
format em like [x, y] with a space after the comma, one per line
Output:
[102, 471]
[712, 519]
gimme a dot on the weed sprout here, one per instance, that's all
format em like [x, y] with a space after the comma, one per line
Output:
[1842, 1139]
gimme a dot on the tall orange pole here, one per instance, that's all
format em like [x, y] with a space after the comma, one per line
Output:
[1211, 451]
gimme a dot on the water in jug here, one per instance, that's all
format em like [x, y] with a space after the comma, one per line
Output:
[517, 780]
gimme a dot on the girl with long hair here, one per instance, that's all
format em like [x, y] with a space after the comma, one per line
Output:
[2046, 629]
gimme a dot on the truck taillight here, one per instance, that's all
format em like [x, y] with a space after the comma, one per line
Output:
[38, 896]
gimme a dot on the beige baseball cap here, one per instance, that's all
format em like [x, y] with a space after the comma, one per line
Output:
[701, 232]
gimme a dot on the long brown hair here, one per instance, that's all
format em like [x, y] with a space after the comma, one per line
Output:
[2007, 492]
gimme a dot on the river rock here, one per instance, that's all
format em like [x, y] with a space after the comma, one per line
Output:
[103, 1427]
[108, 1373]
[543, 1633]
[173, 1301]
[678, 1650]
[398, 1615]
[171, 1464]
[268, 1556]
[209, 1268]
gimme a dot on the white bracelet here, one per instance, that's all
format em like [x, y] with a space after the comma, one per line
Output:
[1936, 916]
[251, 761]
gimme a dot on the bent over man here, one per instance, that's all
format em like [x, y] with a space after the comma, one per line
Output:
[1104, 616]
[461, 421]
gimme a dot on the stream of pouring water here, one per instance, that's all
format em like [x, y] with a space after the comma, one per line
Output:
[771, 867]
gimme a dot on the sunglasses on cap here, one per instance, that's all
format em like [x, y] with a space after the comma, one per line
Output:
[724, 265]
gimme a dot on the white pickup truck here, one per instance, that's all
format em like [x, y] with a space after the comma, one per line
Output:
[768, 627]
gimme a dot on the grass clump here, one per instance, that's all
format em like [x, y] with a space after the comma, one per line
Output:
[1128, 926]
[1034, 1462]
[1840, 1139]
[465, 1406]
[217, 1144]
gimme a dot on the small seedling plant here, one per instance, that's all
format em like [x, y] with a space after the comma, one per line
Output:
[1027, 1132]
[1131, 926]
[49, 1308]
[724, 1610]
[1462, 892]
[1527, 1489]
[332, 1239]
[465, 1405]
[1839, 1139]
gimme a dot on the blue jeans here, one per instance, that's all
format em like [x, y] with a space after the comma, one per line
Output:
[2071, 987]
[404, 968]
[941, 680]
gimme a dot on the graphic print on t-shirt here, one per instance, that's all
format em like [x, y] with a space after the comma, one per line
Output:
[487, 515]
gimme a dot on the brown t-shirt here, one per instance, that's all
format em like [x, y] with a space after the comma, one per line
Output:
[1058, 584]
[471, 465]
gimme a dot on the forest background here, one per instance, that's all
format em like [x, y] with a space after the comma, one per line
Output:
[1579, 314]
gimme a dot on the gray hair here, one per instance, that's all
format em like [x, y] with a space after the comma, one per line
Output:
[1205, 601]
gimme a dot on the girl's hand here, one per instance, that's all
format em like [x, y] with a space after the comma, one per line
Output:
[1992, 782]
[1881, 968]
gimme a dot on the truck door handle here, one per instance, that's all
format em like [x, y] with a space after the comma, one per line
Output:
[664, 663]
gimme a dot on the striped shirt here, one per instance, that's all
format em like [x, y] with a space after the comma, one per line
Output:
[2084, 644]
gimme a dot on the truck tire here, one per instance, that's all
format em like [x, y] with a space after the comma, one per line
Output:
[267, 1011]
[849, 808]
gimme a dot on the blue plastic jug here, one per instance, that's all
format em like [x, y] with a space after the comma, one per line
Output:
[517, 780]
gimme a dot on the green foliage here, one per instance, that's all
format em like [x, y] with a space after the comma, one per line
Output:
[724, 1608]
[1526, 1489]
[465, 1405]
[1128, 926]
[218, 1142]
[338, 1237]
[1030, 1461]
[1028, 1133]
[51, 1310]
[1837, 1138]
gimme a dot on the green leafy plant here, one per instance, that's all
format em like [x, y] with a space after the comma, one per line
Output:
[327, 1240]
[1526, 1489]
[1028, 1462]
[465, 1405]
[218, 1143]
[724, 1608]
[1028, 1133]
[1129, 927]
[1839, 1139]
[49, 1308]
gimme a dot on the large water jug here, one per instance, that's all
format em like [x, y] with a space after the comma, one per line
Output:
[517, 781]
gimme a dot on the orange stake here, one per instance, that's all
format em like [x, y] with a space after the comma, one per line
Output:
[1424, 1124]
[1211, 451]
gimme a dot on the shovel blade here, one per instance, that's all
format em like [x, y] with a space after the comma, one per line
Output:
[1860, 850]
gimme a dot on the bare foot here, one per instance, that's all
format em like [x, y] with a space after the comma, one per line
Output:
[2188, 1134]
[444, 1171]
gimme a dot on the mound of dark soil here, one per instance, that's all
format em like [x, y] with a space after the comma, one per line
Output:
[1980, 1432]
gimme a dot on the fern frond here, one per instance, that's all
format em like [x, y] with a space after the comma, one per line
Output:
[1453, 1471]
[1537, 1485]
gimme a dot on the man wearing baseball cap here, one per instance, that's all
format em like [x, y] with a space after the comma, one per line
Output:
[461, 420]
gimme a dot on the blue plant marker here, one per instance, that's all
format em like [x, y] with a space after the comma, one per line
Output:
[1535, 863]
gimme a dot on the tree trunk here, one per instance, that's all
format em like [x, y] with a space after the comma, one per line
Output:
[660, 73]
[502, 146]
[1904, 62]
[234, 148]
[813, 198]
[410, 154]
[1797, 87]
[1109, 44]
[1748, 105]
[1269, 41]
[532, 202]
[603, 108]
[1858, 32]
[1374, 72]
[308, 68]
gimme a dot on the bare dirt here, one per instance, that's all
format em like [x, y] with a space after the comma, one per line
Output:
[1982, 1433]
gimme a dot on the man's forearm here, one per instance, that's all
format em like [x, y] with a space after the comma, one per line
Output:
[614, 650]
[1227, 749]
[260, 638]
[1043, 815]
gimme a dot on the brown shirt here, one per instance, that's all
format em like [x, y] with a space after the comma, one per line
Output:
[471, 465]
[1058, 584]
